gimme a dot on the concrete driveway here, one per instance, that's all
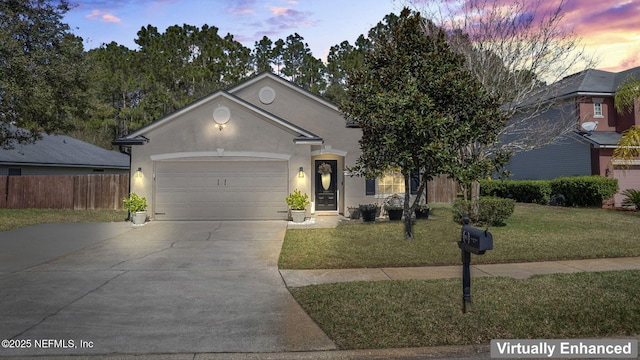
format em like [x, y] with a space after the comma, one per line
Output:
[166, 287]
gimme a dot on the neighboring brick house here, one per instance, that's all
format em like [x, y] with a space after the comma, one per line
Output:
[591, 93]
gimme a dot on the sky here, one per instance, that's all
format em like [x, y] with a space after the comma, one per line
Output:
[609, 29]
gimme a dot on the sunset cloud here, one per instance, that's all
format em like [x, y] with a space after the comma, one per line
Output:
[102, 16]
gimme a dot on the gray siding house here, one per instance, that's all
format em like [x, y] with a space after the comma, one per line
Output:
[61, 155]
[586, 151]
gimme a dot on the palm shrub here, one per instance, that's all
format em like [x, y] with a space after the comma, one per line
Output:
[632, 198]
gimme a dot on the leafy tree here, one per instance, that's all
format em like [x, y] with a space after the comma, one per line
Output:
[628, 147]
[514, 48]
[299, 65]
[42, 76]
[417, 106]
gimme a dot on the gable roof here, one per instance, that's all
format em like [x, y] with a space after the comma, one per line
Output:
[289, 84]
[63, 151]
[137, 137]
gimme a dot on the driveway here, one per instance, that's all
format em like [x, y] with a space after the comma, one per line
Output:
[166, 287]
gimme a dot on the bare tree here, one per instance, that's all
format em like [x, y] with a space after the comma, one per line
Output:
[515, 49]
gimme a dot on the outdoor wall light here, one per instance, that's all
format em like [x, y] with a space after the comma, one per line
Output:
[221, 117]
[301, 172]
[139, 173]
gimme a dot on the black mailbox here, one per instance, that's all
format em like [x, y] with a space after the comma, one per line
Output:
[475, 240]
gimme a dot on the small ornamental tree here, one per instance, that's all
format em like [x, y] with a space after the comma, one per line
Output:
[417, 106]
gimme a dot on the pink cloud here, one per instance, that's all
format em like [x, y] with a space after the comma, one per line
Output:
[279, 11]
[102, 16]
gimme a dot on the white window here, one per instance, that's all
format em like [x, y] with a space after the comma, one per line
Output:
[391, 183]
[597, 108]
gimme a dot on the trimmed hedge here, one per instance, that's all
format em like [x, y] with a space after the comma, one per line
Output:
[526, 191]
[585, 190]
[492, 211]
[569, 191]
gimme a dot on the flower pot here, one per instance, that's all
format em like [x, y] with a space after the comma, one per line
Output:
[395, 214]
[139, 217]
[298, 216]
[368, 215]
[354, 213]
[422, 214]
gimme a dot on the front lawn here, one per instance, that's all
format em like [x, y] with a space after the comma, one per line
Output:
[13, 219]
[533, 233]
[414, 313]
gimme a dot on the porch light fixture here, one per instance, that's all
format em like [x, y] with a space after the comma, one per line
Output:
[301, 172]
[139, 173]
[221, 116]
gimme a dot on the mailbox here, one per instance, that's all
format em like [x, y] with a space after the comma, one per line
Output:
[475, 240]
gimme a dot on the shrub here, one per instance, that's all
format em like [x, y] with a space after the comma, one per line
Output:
[584, 190]
[632, 198]
[526, 191]
[297, 201]
[135, 203]
[492, 211]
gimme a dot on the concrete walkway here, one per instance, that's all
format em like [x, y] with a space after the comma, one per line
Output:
[298, 278]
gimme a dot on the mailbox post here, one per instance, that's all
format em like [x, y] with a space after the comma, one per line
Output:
[472, 240]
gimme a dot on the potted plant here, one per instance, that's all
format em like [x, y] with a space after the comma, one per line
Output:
[297, 203]
[137, 206]
[394, 207]
[422, 211]
[368, 212]
[354, 213]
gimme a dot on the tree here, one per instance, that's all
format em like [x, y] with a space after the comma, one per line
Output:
[513, 48]
[416, 105]
[343, 58]
[628, 147]
[263, 55]
[42, 77]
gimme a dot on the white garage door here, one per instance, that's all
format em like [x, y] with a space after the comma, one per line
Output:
[627, 179]
[221, 190]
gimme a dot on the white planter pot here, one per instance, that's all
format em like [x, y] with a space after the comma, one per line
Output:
[298, 215]
[139, 217]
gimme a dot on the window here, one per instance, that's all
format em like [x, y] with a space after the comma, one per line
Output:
[391, 183]
[15, 172]
[597, 110]
[597, 107]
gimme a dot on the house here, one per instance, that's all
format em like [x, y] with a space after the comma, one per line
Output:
[237, 153]
[589, 149]
[61, 155]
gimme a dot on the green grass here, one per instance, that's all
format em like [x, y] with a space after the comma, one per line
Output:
[533, 233]
[413, 313]
[13, 219]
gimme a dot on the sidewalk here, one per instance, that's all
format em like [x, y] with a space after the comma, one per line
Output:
[298, 278]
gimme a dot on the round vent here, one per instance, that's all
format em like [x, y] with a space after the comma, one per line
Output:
[267, 95]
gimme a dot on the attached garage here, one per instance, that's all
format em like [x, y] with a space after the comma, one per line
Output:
[628, 178]
[220, 190]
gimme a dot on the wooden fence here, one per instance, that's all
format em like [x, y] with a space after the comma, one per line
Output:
[79, 192]
[442, 190]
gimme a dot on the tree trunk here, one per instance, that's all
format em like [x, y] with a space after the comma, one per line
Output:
[408, 225]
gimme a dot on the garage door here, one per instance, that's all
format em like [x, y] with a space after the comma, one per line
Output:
[221, 190]
[627, 179]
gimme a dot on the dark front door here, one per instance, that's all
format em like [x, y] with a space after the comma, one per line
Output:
[326, 185]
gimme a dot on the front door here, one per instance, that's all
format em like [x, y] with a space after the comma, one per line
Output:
[326, 185]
